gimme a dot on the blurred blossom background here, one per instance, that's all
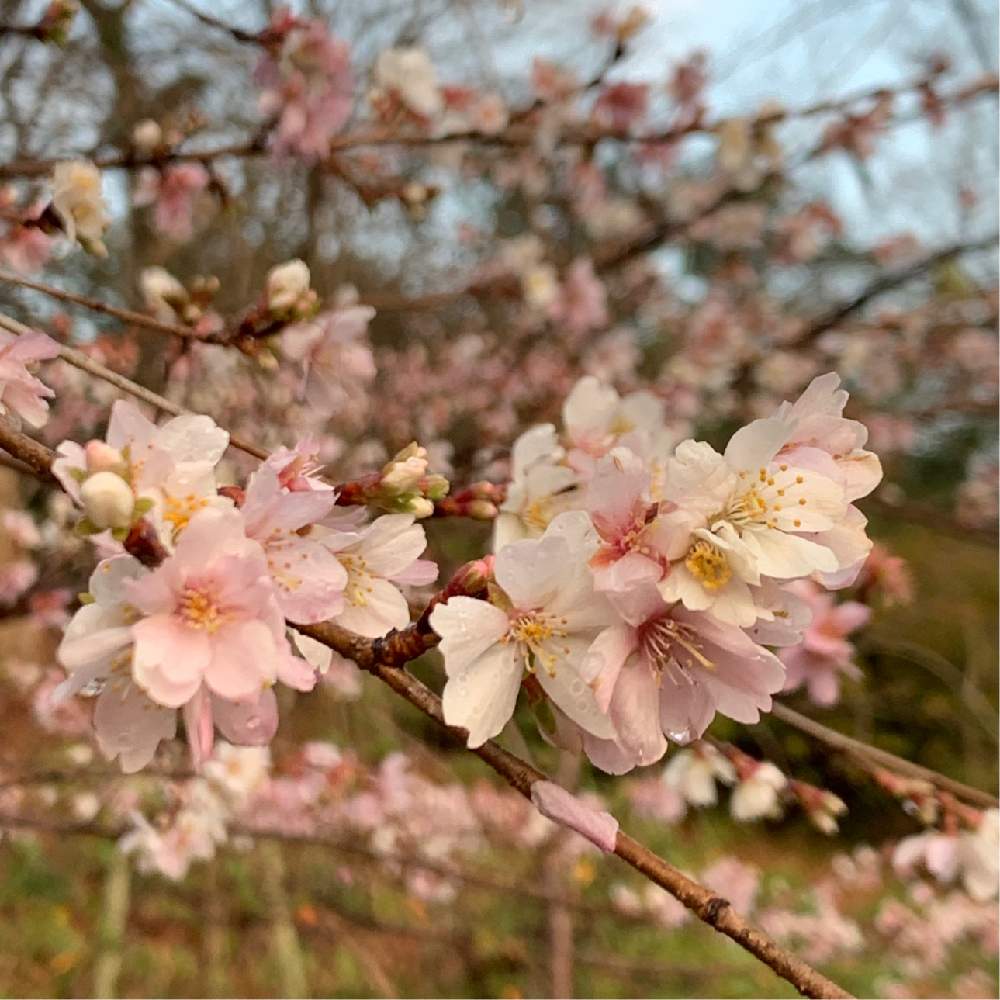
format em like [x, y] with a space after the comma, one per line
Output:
[712, 201]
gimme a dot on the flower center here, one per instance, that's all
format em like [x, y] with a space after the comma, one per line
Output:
[708, 565]
[358, 579]
[535, 629]
[664, 638]
[538, 514]
[199, 610]
[177, 511]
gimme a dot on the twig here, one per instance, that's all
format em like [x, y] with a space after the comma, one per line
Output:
[80, 360]
[248, 37]
[868, 754]
[516, 135]
[887, 283]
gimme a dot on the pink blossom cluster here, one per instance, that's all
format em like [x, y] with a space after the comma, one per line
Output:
[204, 631]
[637, 585]
[307, 86]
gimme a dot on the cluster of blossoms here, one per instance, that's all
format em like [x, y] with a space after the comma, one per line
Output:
[307, 84]
[761, 790]
[204, 630]
[321, 791]
[638, 586]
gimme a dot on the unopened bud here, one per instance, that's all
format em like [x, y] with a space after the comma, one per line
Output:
[147, 136]
[435, 487]
[286, 284]
[102, 457]
[421, 507]
[108, 501]
[407, 468]
[481, 510]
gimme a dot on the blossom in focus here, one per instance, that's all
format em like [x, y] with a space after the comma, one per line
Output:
[208, 615]
[21, 394]
[538, 488]
[169, 469]
[666, 671]
[308, 579]
[77, 201]
[96, 651]
[825, 652]
[543, 620]
[408, 74]
[378, 559]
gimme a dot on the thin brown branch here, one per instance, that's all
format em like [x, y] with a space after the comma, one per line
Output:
[889, 282]
[516, 135]
[80, 360]
[871, 756]
[237, 34]
[129, 316]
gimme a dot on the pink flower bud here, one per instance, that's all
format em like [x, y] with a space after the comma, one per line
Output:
[101, 457]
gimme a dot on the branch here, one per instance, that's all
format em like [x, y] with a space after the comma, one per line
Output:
[238, 34]
[869, 756]
[382, 658]
[95, 305]
[887, 283]
[516, 135]
[80, 360]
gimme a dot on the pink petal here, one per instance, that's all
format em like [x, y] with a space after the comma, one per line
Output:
[558, 805]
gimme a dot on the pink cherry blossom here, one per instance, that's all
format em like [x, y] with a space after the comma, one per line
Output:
[309, 582]
[209, 614]
[173, 191]
[21, 394]
[307, 86]
[825, 652]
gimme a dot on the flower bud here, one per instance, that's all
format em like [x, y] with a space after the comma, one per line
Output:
[147, 136]
[102, 457]
[421, 507]
[404, 472]
[107, 500]
[286, 284]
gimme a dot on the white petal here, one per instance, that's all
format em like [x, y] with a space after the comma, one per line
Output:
[567, 688]
[468, 627]
[482, 697]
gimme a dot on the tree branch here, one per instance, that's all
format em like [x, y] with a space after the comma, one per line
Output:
[870, 756]
[516, 135]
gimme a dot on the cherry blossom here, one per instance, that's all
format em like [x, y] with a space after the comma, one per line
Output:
[758, 794]
[307, 85]
[546, 621]
[77, 201]
[209, 615]
[694, 773]
[21, 393]
[309, 581]
[173, 193]
[408, 75]
[825, 652]
[378, 559]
